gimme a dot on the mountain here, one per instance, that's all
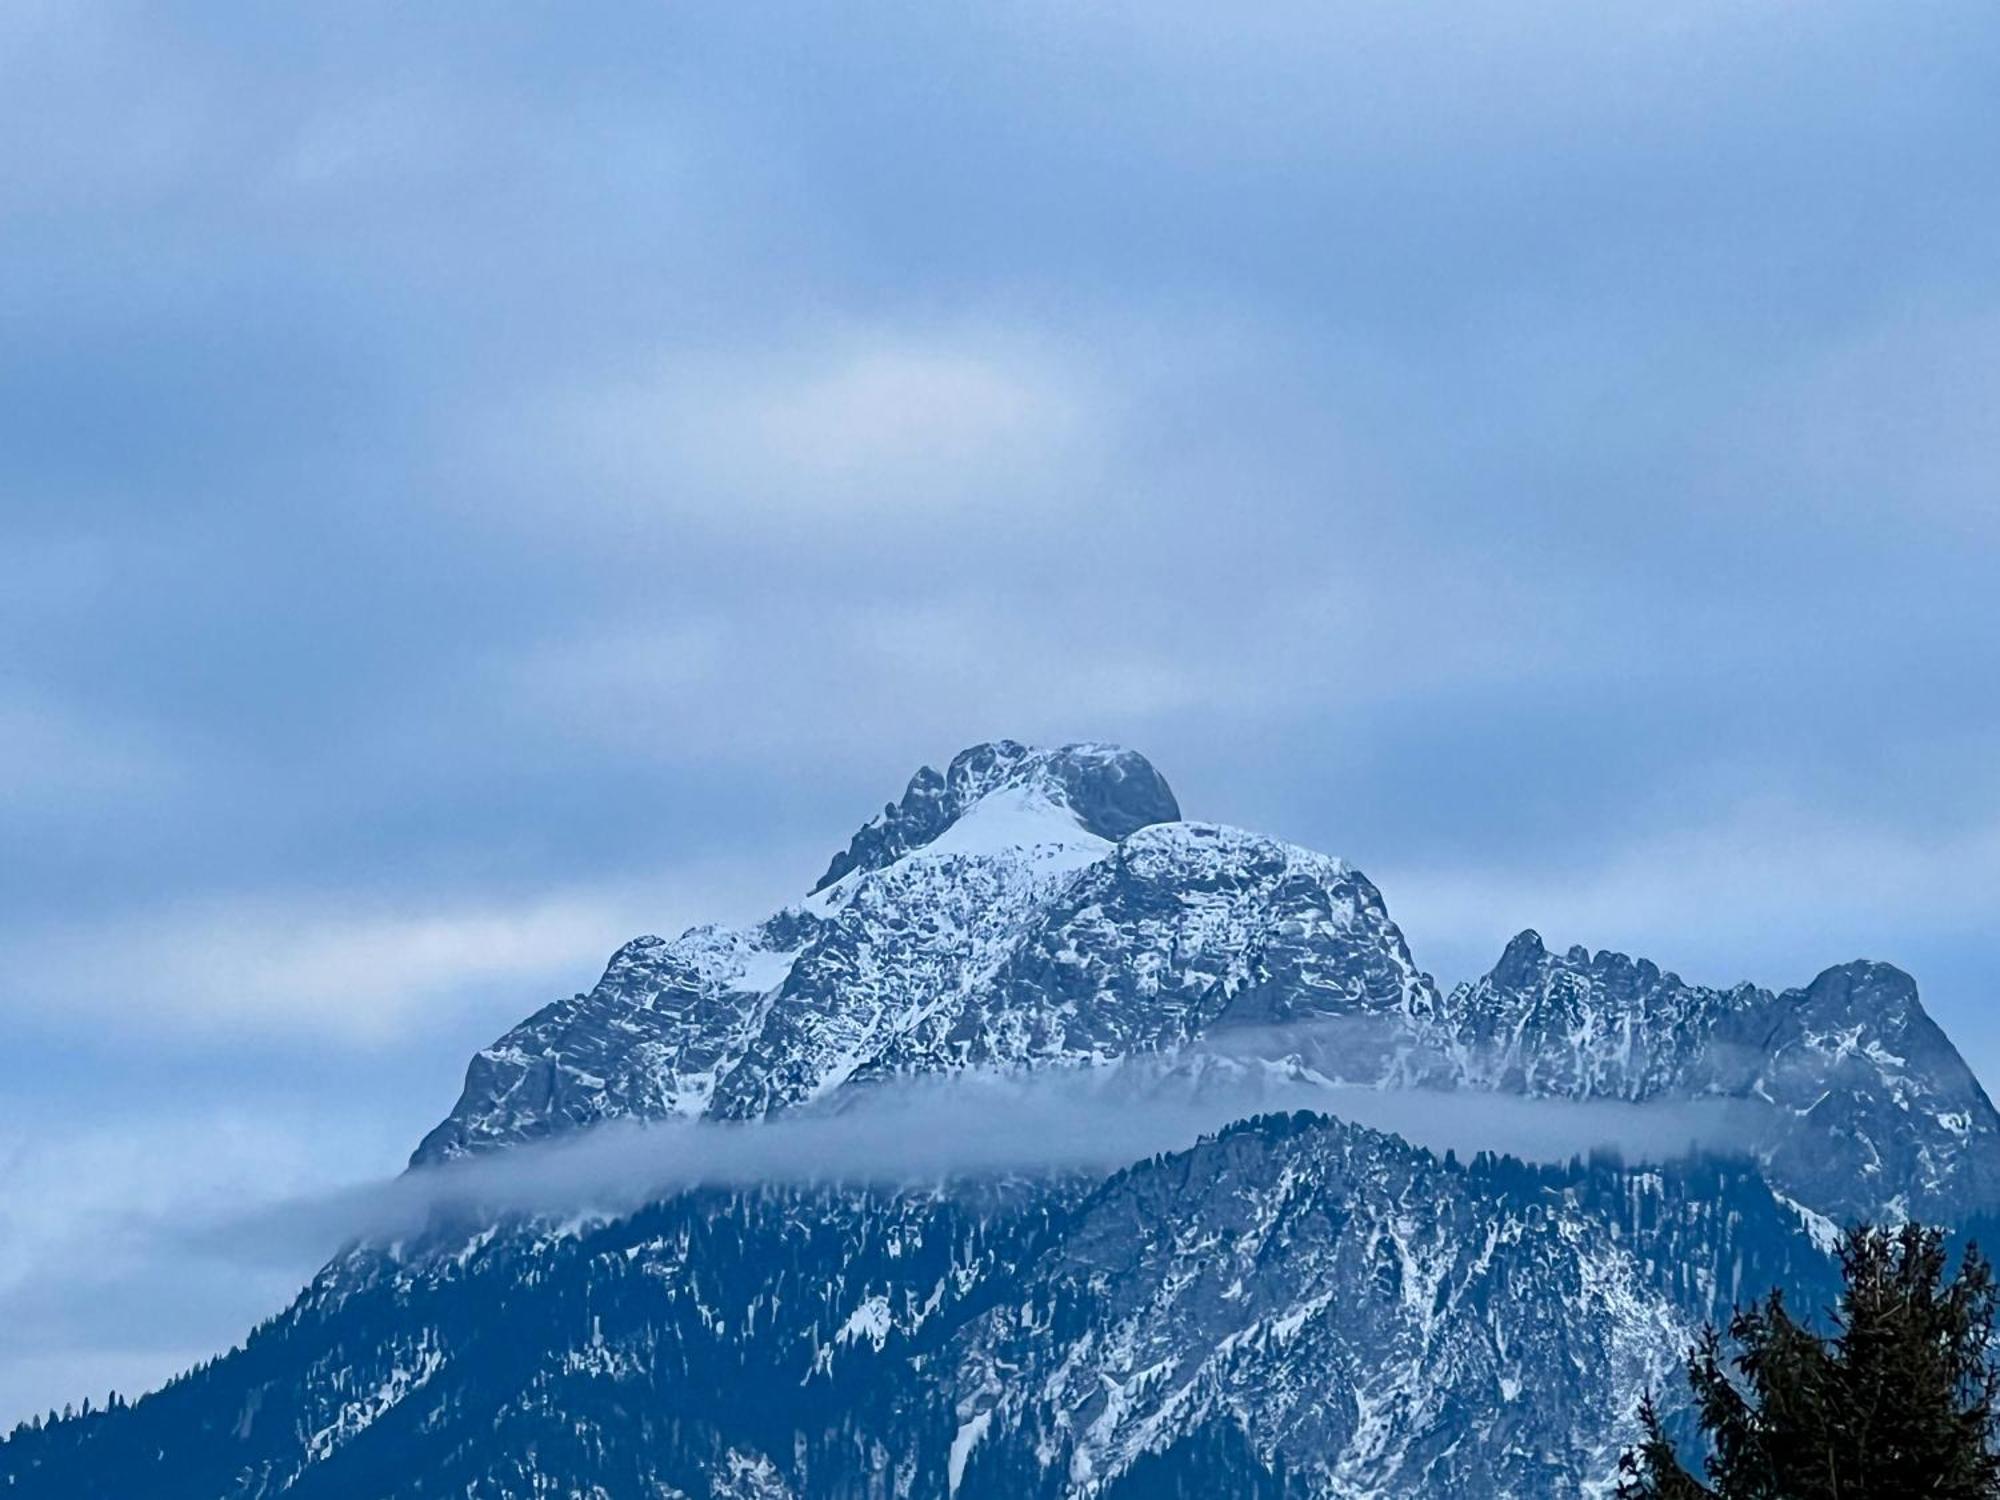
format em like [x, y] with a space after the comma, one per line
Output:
[1292, 1306]
[1866, 1111]
[989, 919]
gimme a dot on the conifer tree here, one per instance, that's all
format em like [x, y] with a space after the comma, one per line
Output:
[1898, 1400]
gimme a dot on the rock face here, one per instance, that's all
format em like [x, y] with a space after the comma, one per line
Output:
[1865, 1108]
[1295, 1307]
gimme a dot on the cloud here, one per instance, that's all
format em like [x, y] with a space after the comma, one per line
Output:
[59, 70]
[1886, 431]
[49, 751]
[96, 1290]
[875, 425]
[357, 972]
[941, 671]
[928, 1131]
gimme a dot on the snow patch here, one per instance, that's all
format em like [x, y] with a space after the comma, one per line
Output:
[871, 1321]
[962, 1443]
[1824, 1233]
[1014, 819]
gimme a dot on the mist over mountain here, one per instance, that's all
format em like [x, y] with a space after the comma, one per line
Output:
[1053, 1144]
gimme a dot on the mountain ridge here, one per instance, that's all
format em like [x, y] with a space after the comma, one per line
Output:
[1293, 1306]
[1047, 942]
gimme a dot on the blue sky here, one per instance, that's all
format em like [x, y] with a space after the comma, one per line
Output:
[477, 486]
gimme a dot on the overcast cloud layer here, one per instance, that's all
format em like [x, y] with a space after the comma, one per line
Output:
[474, 487]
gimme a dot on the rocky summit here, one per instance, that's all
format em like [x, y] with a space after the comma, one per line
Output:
[1292, 1305]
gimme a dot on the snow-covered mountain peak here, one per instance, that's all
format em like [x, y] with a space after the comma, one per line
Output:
[1103, 790]
[1300, 1309]
[1030, 908]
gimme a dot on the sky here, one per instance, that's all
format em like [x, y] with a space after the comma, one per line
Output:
[477, 484]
